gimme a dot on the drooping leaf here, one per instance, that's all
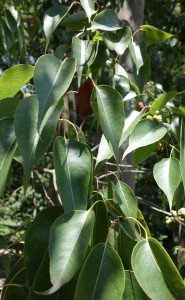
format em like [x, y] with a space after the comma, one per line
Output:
[182, 150]
[153, 268]
[52, 17]
[69, 238]
[139, 54]
[52, 78]
[8, 107]
[13, 79]
[160, 102]
[106, 20]
[143, 153]
[102, 275]
[111, 113]
[15, 284]
[104, 154]
[154, 35]
[101, 224]
[118, 41]
[73, 165]
[126, 199]
[146, 132]
[167, 174]
[132, 289]
[7, 149]
[88, 6]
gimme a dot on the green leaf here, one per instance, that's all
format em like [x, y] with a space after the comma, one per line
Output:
[104, 154]
[146, 132]
[126, 245]
[161, 101]
[13, 79]
[76, 21]
[118, 41]
[8, 107]
[69, 238]
[154, 35]
[52, 17]
[132, 289]
[101, 225]
[88, 6]
[15, 284]
[52, 78]
[182, 150]
[73, 163]
[167, 174]
[143, 153]
[102, 55]
[102, 275]
[7, 149]
[106, 20]
[126, 199]
[111, 113]
[153, 268]
[139, 54]
[36, 250]
[143, 75]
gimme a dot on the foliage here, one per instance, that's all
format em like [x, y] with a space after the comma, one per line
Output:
[95, 243]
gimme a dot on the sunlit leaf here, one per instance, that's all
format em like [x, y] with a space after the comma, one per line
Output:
[154, 35]
[106, 20]
[102, 275]
[139, 54]
[88, 6]
[161, 101]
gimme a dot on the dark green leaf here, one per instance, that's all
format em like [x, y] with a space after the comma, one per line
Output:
[8, 107]
[143, 153]
[101, 225]
[106, 20]
[182, 150]
[132, 289]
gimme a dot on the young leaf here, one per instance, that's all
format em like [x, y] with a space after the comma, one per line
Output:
[146, 132]
[161, 101]
[73, 163]
[118, 41]
[102, 275]
[106, 20]
[52, 78]
[153, 268]
[111, 113]
[167, 174]
[69, 238]
[126, 199]
[139, 54]
[182, 150]
[13, 79]
[7, 149]
[88, 6]
[52, 17]
[154, 35]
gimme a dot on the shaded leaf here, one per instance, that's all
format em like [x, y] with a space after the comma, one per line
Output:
[182, 150]
[13, 79]
[77, 21]
[154, 35]
[101, 225]
[106, 20]
[8, 107]
[132, 289]
[102, 275]
[143, 153]
[168, 176]
[73, 163]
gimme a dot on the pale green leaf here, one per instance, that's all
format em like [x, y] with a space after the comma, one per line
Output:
[13, 79]
[102, 275]
[167, 174]
[88, 6]
[161, 101]
[154, 35]
[73, 163]
[139, 54]
[69, 238]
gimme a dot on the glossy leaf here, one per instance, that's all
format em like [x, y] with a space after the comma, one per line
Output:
[104, 154]
[69, 238]
[52, 17]
[118, 41]
[102, 275]
[161, 101]
[146, 132]
[76, 21]
[8, 107]
[182, 150]
[154, 35]
[101, 224]
[132, 289]
[126, 199]
[111, 113]
[52, 78]
[88, 6]
[13, 79]
[167, 174]
[153, 267]
[139, 54]
[7, 149]
[15, 284]
[73, 163]
[106, 20]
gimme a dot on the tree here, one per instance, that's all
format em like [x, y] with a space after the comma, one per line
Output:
[96, 244]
